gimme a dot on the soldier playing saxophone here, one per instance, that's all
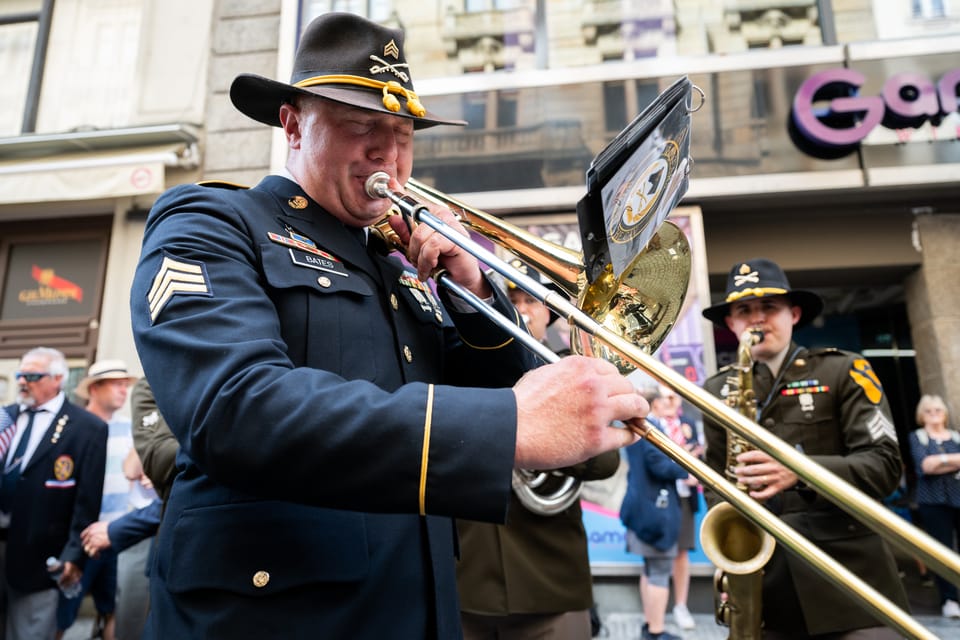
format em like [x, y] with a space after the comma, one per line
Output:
[830, 405]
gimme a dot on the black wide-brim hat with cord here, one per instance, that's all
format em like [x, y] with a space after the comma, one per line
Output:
[760, 278]
[532, 273]
[345, 58]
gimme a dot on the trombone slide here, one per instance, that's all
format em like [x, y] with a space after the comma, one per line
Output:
[831, 486]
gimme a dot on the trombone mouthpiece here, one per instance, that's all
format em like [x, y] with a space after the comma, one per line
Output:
[376, 185]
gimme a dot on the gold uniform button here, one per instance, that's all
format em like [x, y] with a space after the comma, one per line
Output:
[394, 302]
[407, 353]
[324, 282]
[260, 579]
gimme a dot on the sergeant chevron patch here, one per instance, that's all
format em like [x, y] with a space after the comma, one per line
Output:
[880, 427]
[176, 277]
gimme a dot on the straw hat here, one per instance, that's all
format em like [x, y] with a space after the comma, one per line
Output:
[103, 370]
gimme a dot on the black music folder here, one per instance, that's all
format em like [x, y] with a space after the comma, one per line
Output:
[635, 181]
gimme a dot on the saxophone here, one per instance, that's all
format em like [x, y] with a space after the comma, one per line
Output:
[736, 546]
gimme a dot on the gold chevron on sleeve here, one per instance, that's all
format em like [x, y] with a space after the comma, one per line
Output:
[176, 277]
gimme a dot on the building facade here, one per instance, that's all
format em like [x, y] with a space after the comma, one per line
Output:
[109, 102]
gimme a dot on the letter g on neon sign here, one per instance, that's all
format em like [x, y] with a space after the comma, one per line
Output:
[854, 116]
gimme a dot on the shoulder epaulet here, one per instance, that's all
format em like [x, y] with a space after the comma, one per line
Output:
[722, 370]
[221, 184]
[826, 351]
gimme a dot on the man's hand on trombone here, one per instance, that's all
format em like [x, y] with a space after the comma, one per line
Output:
[428, 250]
[565, 411]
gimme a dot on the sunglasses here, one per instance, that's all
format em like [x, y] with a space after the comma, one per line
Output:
[29, 377]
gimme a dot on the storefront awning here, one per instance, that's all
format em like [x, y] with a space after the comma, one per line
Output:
[91, 175]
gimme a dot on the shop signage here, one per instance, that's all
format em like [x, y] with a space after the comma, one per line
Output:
[906, 101]
[52, 280]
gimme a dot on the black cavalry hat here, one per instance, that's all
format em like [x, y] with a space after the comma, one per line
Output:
[345, 58]
[532, 273]
[758, 278]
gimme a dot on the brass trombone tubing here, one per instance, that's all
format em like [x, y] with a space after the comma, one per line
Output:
[784, 533]
[564, 266]
[876, 602]
[556, 259]
[866, 509]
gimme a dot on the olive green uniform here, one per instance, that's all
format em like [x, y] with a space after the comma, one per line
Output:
[533, 564]
[829, 405]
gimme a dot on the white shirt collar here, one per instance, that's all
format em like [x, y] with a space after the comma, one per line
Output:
[53, 405]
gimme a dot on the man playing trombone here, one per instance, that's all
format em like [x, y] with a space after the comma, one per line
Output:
[830, 405]
[333, 415]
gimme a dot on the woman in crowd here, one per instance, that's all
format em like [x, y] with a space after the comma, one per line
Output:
[935, 449]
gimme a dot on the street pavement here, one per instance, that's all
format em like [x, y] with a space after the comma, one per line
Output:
[627, 626]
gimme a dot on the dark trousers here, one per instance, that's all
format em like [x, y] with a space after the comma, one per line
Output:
[942, 522]
[3, 585]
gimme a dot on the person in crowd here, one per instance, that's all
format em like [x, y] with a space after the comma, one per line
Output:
[132, 535]
[651, 513]
[935, 449]
[51, 489]
[830, 405]
[323, 398]
[530, 577]
[128, 536]
[7, 430]
[105, 391]
[155, 444]
[685, 434]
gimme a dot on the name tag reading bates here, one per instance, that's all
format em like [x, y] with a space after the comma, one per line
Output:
[304, 253]
[320, 263]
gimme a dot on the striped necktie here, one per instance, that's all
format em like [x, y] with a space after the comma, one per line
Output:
[11, 476]
[8, 428]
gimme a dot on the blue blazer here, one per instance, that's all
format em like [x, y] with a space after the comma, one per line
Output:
[135, 526]
[58, 495]
[306, 387]
[651, 472]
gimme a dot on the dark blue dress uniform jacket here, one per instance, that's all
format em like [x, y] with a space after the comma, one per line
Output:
[58, 496]
[299, 383]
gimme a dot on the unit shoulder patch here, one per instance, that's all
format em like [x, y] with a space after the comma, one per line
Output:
[862, 373]
[177, 276]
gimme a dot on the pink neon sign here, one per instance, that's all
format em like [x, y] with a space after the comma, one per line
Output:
[907, 100]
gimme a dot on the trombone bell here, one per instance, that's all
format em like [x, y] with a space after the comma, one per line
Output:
[642, 305]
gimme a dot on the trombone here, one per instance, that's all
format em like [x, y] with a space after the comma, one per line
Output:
[568, 271]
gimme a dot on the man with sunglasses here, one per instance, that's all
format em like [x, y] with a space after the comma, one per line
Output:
[50, 490]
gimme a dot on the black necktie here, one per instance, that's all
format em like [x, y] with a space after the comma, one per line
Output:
[8, 487]
[762, 380]
[358, 233]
